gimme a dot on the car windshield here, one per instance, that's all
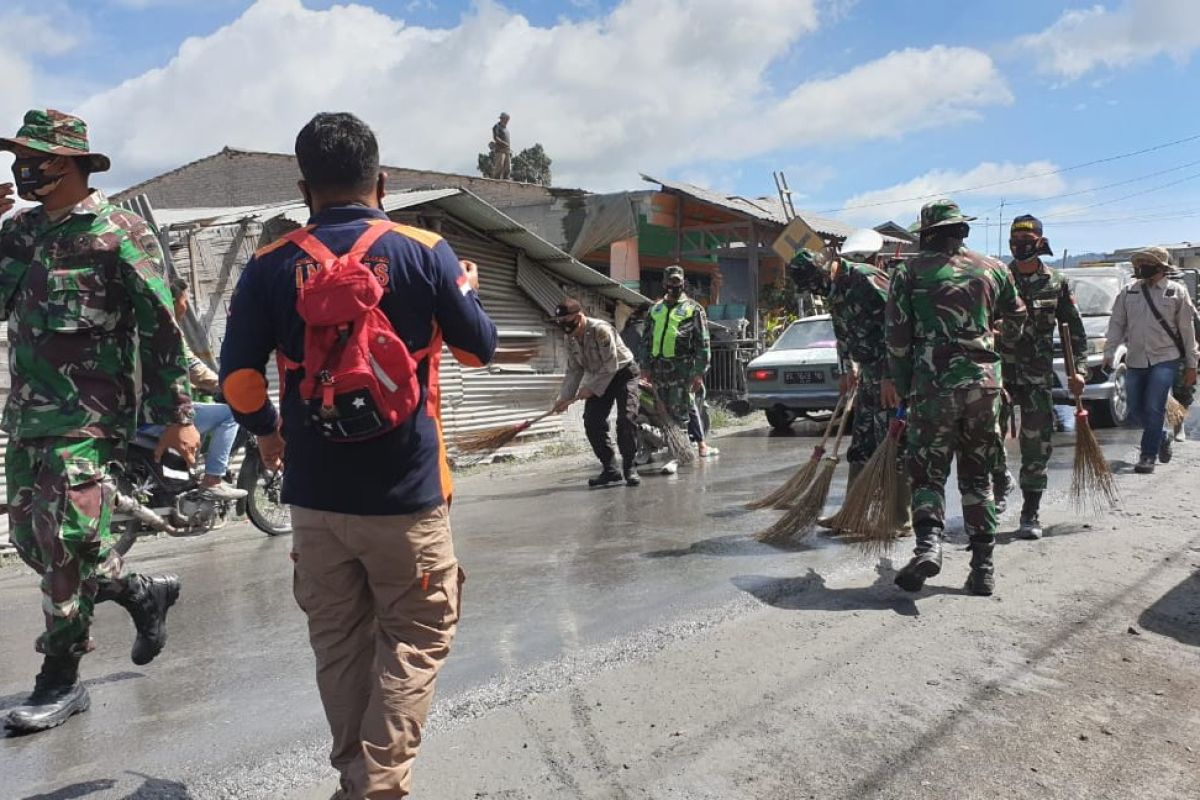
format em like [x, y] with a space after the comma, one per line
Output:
[807, 333]
[1094, 294]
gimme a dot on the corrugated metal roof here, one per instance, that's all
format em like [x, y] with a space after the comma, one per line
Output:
[461, 203]
[763, 209]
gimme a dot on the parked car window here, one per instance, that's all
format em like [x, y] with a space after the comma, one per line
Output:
[1095, 294]
[805, 334]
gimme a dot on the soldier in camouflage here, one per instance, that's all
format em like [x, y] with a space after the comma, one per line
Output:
[83, 290]
[1028, 361]
[942, 309]
[677, 349]
[856, 294]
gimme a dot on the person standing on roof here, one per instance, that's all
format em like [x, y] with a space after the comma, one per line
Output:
[375, 570]
[501, 147]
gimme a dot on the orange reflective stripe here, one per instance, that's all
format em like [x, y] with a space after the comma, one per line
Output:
[307, 241]
[245, 390]
[427, 238]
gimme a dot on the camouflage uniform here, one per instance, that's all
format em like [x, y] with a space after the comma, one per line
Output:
[88, 310]
[857, 302]
[942, 356]
[672, 370]
[1028, 366]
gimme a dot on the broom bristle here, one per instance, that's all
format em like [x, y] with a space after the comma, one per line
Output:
[1176, 412]
[785, 495]
[678, 443]
[486, 441]
[1092, 485]
[861, 497]
[800, 520]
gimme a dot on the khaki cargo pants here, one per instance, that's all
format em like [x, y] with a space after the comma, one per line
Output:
[382, 596]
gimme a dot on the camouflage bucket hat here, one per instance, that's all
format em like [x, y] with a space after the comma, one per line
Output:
[673, 275]
[1152, 255]
[58, 134]
[939, 213]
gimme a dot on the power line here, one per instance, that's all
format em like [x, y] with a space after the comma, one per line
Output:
[1020, 179]
[1112, 185]
[1191, 177]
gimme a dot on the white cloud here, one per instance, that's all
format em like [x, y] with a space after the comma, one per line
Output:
[28, 34]
[903, 201]
[1085, 39]
[652, 85]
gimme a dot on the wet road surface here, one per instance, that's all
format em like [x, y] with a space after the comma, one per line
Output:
[553, 570]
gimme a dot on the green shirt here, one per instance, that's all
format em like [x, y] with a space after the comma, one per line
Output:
[89, 314]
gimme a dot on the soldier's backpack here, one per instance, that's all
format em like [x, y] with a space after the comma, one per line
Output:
[359, 380]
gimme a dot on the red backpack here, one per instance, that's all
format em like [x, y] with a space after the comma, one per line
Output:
[360, 381]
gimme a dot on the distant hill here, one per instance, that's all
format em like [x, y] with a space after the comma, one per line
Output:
[1076, 258]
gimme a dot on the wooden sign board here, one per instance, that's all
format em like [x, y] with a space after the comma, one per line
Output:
[796, 237]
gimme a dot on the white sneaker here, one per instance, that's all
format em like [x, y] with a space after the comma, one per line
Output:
[225, 491]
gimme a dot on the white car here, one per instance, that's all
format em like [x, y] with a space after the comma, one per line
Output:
[798, 376]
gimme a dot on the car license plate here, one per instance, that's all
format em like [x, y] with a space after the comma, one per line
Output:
[804, 376]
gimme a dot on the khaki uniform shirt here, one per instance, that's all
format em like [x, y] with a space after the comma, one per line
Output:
[593, 359]
[1134, 325]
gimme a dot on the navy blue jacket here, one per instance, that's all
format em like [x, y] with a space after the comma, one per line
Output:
[426, 296]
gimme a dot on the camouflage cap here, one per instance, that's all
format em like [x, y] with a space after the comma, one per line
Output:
[673, 275]
[939, 213]
[59, 134]
[1152, 255]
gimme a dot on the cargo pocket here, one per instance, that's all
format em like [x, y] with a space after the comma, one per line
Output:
[77, 301]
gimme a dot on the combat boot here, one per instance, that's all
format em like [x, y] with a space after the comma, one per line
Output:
[609, 476]
[57, 696]
[147, 598]
[982, 580]
[631, 476]
[926, 561]
[1031, 526]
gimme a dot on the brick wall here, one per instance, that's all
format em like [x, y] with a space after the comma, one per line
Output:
[240, 178]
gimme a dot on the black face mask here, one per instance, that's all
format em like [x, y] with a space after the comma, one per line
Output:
[1147, 271]
[570, 326]
[1024, 249]
[674, 292]
[32, 181]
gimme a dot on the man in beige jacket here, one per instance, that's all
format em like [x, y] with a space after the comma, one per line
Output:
[1153, 317]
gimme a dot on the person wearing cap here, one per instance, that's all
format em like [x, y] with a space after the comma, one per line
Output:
[602, 372]
[1028, 361]
[676, 345]
[501, 147]
[943, 306]
[856, 294]
[93, 348]
[1153, 318]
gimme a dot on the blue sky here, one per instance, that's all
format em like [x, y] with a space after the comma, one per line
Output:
[868, 106]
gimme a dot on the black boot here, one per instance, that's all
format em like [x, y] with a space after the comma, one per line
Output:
[1031, 526]
[631, 476]
[926, 561]
[982, 580]
[609, 476]
[57, 696]
[147, 599]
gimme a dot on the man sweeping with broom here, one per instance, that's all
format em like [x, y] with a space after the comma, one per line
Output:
[856, 294]
[1028, 362]
[943, 362]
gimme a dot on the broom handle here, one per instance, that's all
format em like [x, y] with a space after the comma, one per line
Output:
[1064, 334]
[529, 423]
[832, 419]
[837, 443]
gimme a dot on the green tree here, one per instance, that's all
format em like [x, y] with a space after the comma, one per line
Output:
[531, 165]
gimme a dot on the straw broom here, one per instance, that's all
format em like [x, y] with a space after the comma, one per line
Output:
[482, 443]
[1092, 484]
[865, 509]
[799, 521]
[676, 438]
[879, 526]
[785, 495]
[1176, 413]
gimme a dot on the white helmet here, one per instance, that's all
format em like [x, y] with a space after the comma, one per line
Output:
[863, 242]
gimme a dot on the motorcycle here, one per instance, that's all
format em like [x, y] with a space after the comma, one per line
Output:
[166, 495]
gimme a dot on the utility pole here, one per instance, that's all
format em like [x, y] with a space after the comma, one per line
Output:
[1000, 232]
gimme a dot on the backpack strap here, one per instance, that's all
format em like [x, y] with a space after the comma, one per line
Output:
[306, 240]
